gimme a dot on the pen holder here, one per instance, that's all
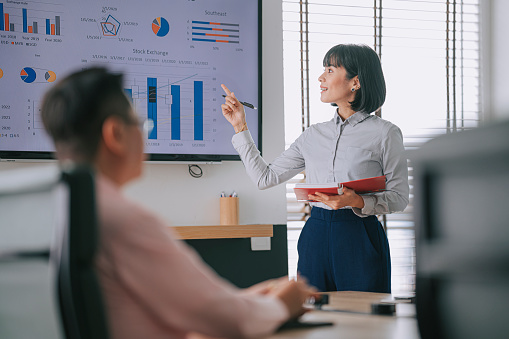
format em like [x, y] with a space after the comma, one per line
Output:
[229, 210]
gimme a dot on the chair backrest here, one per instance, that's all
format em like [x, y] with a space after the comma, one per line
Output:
[81, 302]
[49, 218]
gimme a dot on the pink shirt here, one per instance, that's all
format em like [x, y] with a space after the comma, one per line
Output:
[156, 287]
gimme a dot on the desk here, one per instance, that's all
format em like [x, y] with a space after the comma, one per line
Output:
[358, 325]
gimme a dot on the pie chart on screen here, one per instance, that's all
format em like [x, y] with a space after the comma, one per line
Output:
[1, 73]
[28, 75]
[50, 76]
[160, 26]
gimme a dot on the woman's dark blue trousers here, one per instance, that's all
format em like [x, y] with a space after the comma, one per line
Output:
[340, 251]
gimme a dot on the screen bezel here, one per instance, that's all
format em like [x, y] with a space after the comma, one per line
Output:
[32, 155]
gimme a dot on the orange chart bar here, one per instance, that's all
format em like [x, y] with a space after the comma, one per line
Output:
[52, 29]
[221, 35]
[213, 40]
[6, 21]
[30, 29]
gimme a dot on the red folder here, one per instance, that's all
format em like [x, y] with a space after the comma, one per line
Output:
[361, 186]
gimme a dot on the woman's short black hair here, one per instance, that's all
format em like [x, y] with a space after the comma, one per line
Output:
[360, 60]
[74, 110]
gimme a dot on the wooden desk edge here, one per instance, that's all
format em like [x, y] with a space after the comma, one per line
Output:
[223, 231]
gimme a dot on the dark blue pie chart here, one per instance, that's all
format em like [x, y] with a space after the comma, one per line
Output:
[28, 75]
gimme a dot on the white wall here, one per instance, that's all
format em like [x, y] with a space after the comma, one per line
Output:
[495, 56]
[182, 200]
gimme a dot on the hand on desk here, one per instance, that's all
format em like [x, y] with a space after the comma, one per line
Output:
[348, 198]
[292, 293]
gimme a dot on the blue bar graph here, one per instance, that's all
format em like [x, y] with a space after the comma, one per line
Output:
[48, 27]
[175, 109]
[175, 112]
[25, 21]
[198, 110]
[152, 105]
[1, 17]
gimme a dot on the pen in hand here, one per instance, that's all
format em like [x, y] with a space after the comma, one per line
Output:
[247, 104]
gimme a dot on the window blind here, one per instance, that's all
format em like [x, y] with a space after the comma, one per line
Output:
[429, 51]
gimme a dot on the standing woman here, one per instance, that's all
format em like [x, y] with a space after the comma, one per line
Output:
[343, 245]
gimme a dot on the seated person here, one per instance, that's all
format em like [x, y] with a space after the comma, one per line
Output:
[153, 286]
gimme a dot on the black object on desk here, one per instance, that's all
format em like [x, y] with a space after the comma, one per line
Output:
[383, 308]
[318, 301]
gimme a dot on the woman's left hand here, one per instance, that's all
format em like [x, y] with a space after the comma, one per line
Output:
[348, 198]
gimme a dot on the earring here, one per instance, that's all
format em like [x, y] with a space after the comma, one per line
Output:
[353, 89]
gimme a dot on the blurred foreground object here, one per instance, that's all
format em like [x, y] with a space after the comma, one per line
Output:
[462, 234]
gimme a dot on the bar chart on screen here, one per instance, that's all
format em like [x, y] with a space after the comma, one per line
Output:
[42, 18]
[178, 107]
[215, 32]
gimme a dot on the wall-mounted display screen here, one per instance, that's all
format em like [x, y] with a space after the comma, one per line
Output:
[174, 56]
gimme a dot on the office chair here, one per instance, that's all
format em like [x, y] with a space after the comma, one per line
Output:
[48, 242]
